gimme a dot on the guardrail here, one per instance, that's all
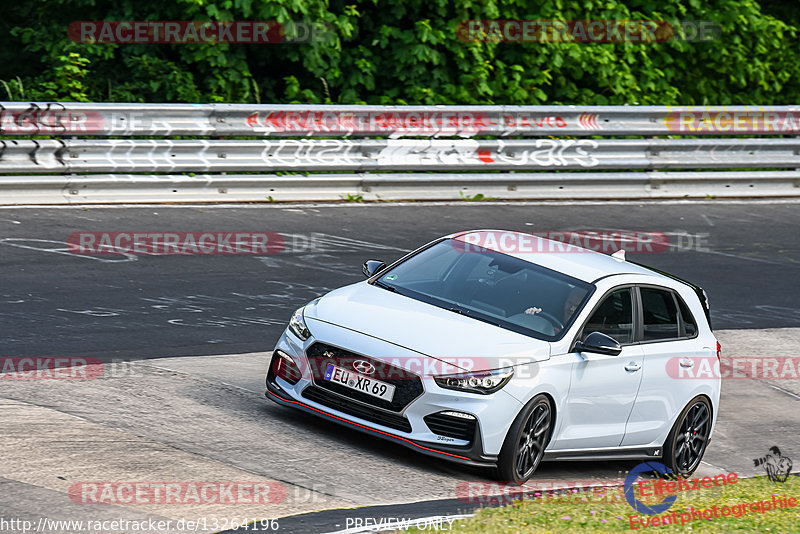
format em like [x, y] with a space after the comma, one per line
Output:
[221, 120]
[436, 155]
[497, 151]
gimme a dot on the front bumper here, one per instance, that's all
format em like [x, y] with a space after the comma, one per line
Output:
[471, 456]
[494, 413]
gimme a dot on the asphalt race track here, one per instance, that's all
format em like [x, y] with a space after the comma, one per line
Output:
[181, 345]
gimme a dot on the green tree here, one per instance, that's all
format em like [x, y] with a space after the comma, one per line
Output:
[405, 52]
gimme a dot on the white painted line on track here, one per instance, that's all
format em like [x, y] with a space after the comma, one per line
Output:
[369, 204]
[784, 391]
[404, 524]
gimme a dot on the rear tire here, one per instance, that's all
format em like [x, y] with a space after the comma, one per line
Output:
[523, 448]
[688, 439]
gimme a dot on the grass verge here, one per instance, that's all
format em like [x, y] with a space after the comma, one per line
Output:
[582, 511]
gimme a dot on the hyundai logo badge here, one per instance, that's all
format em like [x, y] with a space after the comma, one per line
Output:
[363, 367]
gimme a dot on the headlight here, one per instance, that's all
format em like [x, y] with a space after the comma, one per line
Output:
[483, 382]
[298, 325]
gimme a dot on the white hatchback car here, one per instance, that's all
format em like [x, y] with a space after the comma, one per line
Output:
[503, 349]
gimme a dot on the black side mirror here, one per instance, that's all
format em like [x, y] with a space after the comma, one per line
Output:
[599, 343]
[371, 267]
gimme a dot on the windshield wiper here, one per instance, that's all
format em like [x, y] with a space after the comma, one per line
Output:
[465, 313]
[385, 286]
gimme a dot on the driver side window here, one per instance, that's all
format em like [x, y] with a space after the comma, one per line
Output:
[613, 317]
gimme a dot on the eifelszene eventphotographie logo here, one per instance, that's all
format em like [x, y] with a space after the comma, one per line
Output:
[643, 495]
[637, 504]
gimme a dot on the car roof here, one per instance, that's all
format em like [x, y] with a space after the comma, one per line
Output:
[577, 262]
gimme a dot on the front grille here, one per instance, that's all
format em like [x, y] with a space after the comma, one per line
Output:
[451, 426]
[408, 386]
[380, 417]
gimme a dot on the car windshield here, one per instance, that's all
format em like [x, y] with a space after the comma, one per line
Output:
[492, 287]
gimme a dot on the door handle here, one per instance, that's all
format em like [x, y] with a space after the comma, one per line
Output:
[633, 366]
[686, 362]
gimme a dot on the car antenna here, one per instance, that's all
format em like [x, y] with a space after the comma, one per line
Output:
[619, 255]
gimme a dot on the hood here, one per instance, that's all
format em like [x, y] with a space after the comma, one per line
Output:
[425, 328]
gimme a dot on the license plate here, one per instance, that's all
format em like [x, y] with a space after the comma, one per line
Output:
[358, 382]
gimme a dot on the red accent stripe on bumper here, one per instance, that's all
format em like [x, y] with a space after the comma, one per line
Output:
[366, 427]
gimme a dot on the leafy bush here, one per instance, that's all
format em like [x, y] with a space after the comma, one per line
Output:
[404, 52]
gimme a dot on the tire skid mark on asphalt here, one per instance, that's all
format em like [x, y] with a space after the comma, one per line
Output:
[14, 242]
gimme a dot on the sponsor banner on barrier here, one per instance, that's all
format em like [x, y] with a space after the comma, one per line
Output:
[55, 118]
[416, 122]
[58, 118]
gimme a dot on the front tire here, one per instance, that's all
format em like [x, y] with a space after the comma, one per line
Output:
[688, 439]
[523, 448]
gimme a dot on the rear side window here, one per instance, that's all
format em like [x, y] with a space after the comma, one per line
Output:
[688, 324]
[659, 314]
